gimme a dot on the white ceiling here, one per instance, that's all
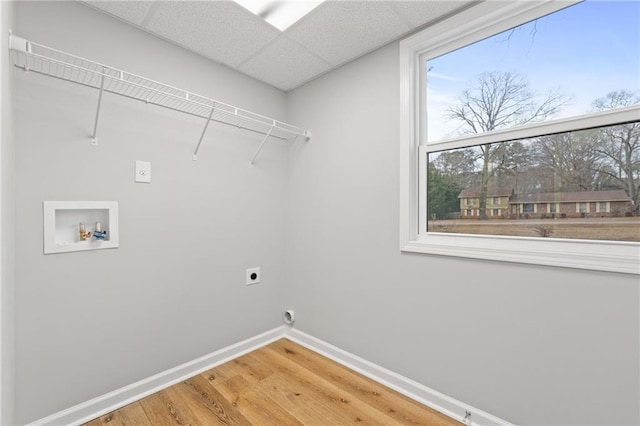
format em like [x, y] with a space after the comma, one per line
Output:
[334, 33]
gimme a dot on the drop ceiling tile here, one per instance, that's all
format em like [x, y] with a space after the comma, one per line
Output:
[338, 31]
[284, 64]
[419, 13]
[132, 11]
[220, 30]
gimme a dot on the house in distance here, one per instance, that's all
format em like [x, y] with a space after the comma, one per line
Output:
[506, 204]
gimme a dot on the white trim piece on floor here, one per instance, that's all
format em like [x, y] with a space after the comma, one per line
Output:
[118, 398]
[447, 405]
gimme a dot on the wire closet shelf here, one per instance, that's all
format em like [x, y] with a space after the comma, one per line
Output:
[34, 57]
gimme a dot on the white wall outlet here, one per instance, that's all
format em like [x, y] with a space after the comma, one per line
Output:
[253, 276]
[143, 171]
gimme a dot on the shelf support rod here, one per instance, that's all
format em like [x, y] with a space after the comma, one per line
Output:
[263, 142]
[94, 139]
[206, 125]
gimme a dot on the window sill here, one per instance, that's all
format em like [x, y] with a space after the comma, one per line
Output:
[611, 256]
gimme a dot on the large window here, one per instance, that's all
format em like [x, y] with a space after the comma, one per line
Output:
[568, 173]
[532, 108]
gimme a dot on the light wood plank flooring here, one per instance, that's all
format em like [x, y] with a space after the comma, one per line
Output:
[280, 384]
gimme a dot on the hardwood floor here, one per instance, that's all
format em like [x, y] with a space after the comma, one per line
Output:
[280, 384]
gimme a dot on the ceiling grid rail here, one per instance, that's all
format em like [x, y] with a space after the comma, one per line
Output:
[34, 57]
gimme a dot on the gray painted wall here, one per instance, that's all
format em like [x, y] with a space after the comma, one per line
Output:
[533, 345]
[7, 222]
[90, 322]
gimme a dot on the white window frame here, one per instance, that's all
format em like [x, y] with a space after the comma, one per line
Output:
[476, 23]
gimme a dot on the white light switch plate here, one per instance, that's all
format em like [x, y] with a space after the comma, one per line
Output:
[143, 171]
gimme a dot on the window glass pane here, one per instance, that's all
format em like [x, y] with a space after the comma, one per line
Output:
[583, 184]
[580, 59]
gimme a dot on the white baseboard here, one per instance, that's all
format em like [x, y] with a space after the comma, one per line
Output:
[414, 390]
[111, 401]
[118, 398]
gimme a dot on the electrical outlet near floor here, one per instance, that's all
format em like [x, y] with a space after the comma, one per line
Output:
[253, 276]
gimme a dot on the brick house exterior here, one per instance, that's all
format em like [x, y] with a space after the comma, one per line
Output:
[570, 204]
[497, 203]
[507, 204]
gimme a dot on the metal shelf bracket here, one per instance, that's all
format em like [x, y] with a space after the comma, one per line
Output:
[94, 137]
[206, 125]
[253, 160]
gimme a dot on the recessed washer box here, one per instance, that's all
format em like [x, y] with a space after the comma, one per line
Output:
[62, 225]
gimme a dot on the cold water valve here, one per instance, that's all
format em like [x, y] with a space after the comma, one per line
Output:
[99, 233]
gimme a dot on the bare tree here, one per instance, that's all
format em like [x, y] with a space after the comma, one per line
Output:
[499, 100]
[572, 159]
[620, 146]
[458, 164]
[517, 161]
